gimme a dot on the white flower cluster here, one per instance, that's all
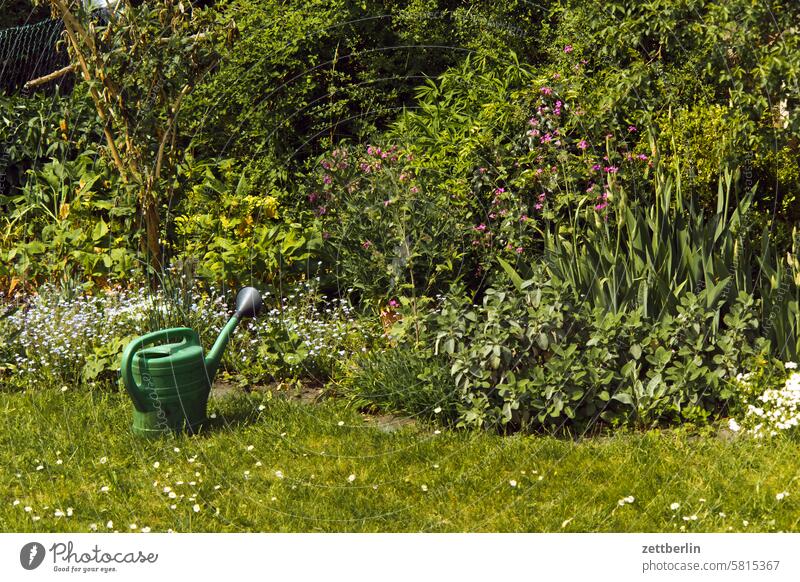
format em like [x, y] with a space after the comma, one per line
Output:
[778, 409]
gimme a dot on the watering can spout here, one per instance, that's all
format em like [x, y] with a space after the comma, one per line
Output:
[248, 304]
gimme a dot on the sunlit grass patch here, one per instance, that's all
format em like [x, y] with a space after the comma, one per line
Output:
[68, 462]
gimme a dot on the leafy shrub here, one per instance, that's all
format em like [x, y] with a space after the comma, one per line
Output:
[420, 245]
[235, 234]
[533, 356]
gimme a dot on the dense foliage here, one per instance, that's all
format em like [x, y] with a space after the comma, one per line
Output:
[565, 215]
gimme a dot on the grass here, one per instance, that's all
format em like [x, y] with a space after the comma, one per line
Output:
[298, 467]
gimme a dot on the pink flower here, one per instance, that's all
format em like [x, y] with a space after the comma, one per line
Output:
[393, 303]
[325, 164]
[481, 170]
[600, 206]
[519, 250]
[568, 49]
[556, 76]
[370, 150]
[366, 244]
[538, 206]
[326, 178]
[538, 171]
[312, 197]
[541, 197]
[533, 121]
[642, 157]
[481, 227]
[611, 169]
[386, 203]
[523, 218]
[414, 189]
[546, 91]
[596, 167]
[499, 190]
[545, 138]
[534, 133]
[583, 144]
[632, 128]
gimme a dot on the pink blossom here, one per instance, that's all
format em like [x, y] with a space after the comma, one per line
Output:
[583, 144]
[611, 169]
[499, 190]
[519, 250]
[538, 206]
[642, 157]
[546, 91]
[393, 303]
[386, 203]
[366, 244]
[632, 128]
[545, 138]
[326, 179]
[568, 48]
[481, 227]
[600, 206]
[325, 164]
[523, 218]
[414, 189]
[596, 167]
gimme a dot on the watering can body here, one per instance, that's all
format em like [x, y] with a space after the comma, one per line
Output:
[168, 382]
[169, 378]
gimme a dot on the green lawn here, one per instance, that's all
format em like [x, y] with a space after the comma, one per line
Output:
[323, 467]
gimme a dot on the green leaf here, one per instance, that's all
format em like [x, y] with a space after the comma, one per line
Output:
[512, 274]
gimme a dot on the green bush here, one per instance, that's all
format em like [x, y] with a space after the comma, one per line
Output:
[533, 357]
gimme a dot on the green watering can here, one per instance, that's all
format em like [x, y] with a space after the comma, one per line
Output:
[170, 381]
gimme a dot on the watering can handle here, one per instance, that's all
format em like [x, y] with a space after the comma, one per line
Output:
[126, 368]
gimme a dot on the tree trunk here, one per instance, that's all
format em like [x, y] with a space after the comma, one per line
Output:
[152, 226]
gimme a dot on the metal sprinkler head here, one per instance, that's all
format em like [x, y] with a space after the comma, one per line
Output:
[248, 303]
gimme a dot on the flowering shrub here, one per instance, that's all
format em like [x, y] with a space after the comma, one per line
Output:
[387, 230]
[773, 411]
